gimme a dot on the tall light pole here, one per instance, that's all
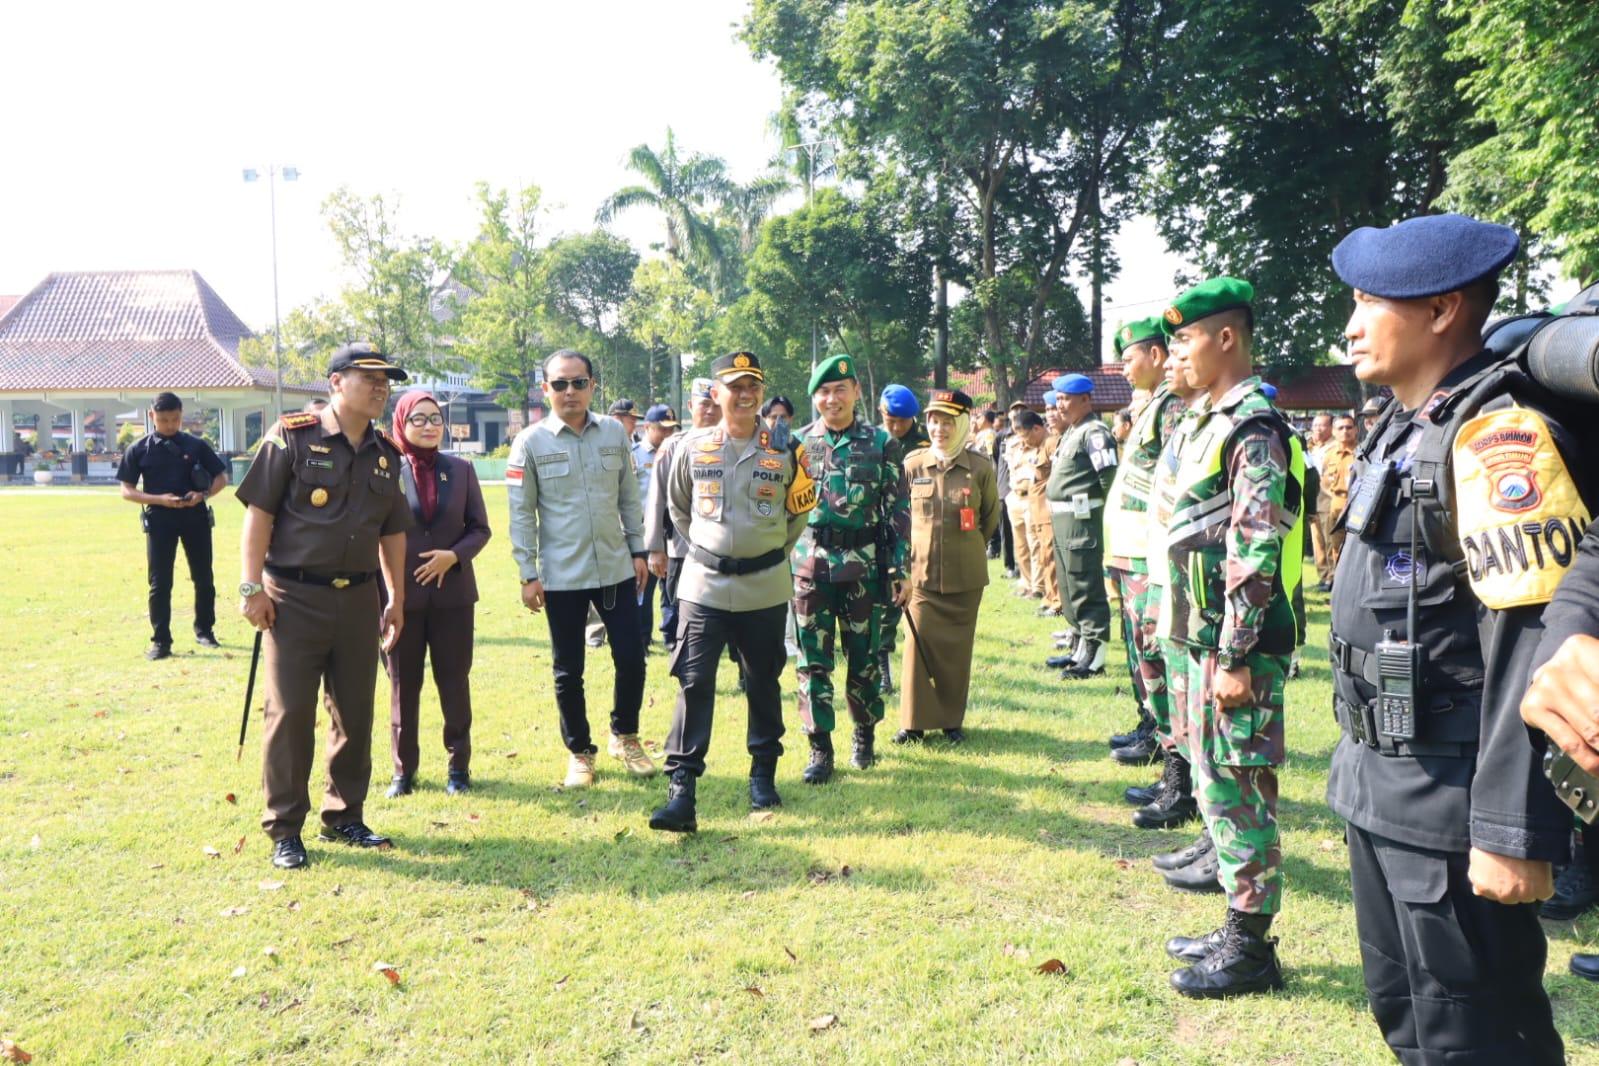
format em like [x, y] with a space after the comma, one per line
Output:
[288, 174]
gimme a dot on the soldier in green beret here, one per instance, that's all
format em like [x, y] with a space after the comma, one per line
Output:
[852, 556]
[1230, 491]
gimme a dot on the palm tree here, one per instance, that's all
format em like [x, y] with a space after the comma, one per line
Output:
[681, 189]
[747, 206]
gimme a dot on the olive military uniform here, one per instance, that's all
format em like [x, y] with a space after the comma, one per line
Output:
[331, 500]
[1080, 477]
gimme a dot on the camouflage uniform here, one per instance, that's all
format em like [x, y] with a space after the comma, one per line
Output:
[1233, 498]
[1127, 554]
[889, 615]
[861, 495]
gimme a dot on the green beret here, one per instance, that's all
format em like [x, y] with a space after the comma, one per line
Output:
[1141, 332]
[840, 367]
[1205, 299]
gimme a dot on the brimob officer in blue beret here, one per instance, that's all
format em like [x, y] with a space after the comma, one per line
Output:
[900, 408]
[1079, 480]
[1452, 830]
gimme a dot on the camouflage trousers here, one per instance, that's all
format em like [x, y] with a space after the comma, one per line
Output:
[1235, 753]
[888, 619]
[1140, 610]
[819, 610]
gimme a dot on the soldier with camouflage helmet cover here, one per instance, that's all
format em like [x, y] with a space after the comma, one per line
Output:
[854, 551]
[1232, 497]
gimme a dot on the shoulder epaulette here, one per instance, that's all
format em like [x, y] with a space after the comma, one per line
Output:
[301, 419]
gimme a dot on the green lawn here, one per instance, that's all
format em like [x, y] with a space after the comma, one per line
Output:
[914, 902]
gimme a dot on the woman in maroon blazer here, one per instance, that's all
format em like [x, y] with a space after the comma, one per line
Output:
[440, 592]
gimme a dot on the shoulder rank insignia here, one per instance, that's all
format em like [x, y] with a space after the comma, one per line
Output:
[1517, 508]
[320, 449]
[301, 419]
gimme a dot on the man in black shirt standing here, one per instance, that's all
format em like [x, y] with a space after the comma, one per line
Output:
[179, 473]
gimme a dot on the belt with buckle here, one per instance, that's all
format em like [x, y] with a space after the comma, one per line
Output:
[305, 577]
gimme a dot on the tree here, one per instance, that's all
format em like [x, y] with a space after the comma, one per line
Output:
[398, 299]
[1031, 106]
[1534, 78]
[588, 277]
[684, 189]
[665, 314]
[501, 320]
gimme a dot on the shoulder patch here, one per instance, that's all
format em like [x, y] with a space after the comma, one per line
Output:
[1518, 511]
[301, 419]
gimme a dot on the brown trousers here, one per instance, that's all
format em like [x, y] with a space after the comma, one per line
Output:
[1046, 572]
[442, 635]
[1024, 552]
[320, 632]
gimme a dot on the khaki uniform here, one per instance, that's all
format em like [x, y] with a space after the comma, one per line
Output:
[331, 502]
[948, 570]
[1023, 479]
[1040, 528]
[1335, 463]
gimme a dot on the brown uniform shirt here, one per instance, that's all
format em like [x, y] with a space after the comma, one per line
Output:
[331, 500]
[1043, 459]
[944, 557]
[1337, 462]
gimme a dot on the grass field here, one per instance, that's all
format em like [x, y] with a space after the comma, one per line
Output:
[912, 904]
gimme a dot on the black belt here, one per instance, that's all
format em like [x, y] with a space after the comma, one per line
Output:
[305, 577]
[1359, 723]
[1356, 662]
[724, 565]
[836, 539]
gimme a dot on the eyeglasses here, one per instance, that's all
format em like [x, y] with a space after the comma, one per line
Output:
[560, 384]
[425, 420]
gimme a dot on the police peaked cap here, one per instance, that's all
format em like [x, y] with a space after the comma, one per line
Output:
[949, 402]
[899, 402]
[1424, 256]
[735, 365]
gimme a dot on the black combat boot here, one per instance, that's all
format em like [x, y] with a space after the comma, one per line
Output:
[1576, 889]
[1175, 805]
[678, 814]
[861, 752]
[1176, 860]
[1201, 875]
[820, 767]
[402, 785]
[1142, 795]
[1194, 948]
[885, 684]
[1243, 962]
[1144, 750]
[1089, 662]
[763, 787]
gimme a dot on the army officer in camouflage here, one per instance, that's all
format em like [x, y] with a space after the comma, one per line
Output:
[1230, 494]
[852, 553]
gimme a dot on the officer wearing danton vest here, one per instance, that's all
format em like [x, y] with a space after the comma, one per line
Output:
[1452, 828]
[741, 499]
[1083, 468]
[325, 511]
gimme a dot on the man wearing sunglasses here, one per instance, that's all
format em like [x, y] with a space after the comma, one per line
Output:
[578, 539]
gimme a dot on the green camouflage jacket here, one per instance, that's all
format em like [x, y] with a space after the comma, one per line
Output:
[860, 494]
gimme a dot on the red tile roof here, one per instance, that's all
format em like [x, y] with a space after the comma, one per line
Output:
[152, 329]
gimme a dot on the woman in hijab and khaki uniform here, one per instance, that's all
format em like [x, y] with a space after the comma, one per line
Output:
[954, 510]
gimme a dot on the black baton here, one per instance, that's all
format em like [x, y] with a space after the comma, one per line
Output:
[917, 637]
[249, 691]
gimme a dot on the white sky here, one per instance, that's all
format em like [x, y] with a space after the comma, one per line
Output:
[128, 126]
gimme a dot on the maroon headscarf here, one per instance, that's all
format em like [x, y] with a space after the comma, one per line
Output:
[424, 461]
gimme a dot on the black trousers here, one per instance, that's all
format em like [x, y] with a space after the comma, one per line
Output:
[646, 612]
[674, 570]
[166, 529]
[443, 637]
[1453, 978]
[568, 612]
[757, 639]
[1007, 542]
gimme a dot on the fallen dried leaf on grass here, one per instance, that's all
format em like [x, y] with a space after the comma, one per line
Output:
[756, 992]
[387, 971]
[1054, 966]
[637, 1026]
[271, 886]
[11, 1053]
[210, 852]
[1328, 845]
[240, 845]
[1011, 951]
[231, 798]
[1123, 864]
[240, 972]
[474, 819]
[792, 957]
[824, 1021]
[234, 912]
[562, 982]
[762, 816]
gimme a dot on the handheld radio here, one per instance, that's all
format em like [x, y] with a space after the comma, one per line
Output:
[1399, 662]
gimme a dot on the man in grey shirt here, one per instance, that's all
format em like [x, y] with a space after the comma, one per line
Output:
[665, 544]
[741, 501]
[577, 537]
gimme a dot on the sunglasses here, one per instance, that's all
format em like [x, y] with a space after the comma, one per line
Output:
[560, 384]
[425, 420]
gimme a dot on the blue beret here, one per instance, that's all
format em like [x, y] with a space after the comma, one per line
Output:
[1424, 256]
[1073, 384]
[1050, 397]
[899, 402]
[1268, 390]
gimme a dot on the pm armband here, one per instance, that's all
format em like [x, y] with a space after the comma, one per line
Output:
[1517, 508]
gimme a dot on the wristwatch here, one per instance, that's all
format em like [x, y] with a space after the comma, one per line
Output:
[250, 588]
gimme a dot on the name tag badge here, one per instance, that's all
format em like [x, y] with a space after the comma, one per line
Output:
[968, 519]
[320, 464]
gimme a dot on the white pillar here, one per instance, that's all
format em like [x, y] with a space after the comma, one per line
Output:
[80, 442]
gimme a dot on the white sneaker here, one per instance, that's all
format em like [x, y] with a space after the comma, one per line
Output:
[580, 770]
[627, 748]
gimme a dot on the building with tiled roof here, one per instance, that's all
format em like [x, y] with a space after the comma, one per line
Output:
[109, 341]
